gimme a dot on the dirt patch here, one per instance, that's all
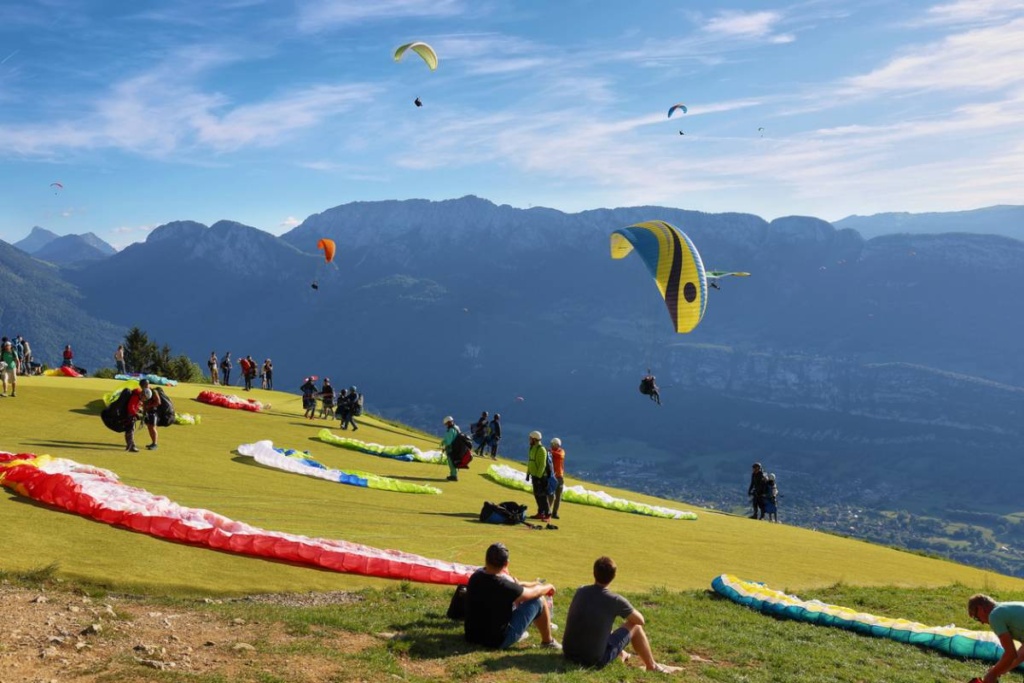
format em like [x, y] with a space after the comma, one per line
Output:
[60, 636]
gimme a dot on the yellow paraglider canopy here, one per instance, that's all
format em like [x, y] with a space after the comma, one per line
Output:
[675, 264]
[422, 49]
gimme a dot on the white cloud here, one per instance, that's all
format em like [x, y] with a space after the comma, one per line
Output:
[289, 222]
[319, 15]
[162, 112]
[973, 11]
[984, 58]
[743, 24]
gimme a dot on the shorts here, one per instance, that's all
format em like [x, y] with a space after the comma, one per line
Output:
[522, 617]
[617, 642]
[149, 419]
[9, 373]
[309, 404]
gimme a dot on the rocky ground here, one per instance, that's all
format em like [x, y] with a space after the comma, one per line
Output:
[55, 636]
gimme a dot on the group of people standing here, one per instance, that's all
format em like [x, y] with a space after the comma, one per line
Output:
[547, 473]
[220, 371]
[345, 405]
[764, 494]
[486, 434]
[499, 610]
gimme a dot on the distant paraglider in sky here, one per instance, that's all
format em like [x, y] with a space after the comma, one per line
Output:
[761, 131]
[682, 133]
[677, 107]
[328, 248]
[675, 264]
[715, 275]
[417, 102]
[422, 49]
[57, 187]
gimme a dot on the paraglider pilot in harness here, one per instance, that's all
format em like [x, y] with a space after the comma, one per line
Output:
[649, 388]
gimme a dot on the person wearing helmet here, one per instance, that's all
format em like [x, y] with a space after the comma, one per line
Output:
[558, 462]
[451, 431]
[142, 404]
[537, 470]
[494, 435]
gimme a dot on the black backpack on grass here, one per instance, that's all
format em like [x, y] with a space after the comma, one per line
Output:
[508, 512]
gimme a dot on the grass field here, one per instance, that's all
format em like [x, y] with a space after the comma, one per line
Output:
[197, 466]
[396, 630]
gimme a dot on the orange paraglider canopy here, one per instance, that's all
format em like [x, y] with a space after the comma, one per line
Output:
[328, 247]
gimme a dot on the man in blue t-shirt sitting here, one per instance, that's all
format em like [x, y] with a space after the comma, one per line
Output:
[1007, 621]
[499, 608]
[591, 615]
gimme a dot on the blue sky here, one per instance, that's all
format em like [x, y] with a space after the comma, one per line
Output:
[265, 112]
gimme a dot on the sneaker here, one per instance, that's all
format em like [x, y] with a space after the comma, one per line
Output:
[540, 517]
[133, 449]
[453, 479]
[552, 645]
[551, 526]
[13, 394]
[525, 636]
[554, 517]
[151, 447]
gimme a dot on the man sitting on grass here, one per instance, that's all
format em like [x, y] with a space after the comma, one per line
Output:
[499, 608]
[590, 619]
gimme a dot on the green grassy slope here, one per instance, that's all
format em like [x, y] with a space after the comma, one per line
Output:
[197, 466]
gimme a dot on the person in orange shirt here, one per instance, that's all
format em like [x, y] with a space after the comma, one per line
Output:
[558, 460]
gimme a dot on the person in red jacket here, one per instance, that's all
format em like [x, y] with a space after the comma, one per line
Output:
[69, 357]
[558, 463]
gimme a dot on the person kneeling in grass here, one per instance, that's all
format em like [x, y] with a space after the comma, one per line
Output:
[499, 608]
[1006, 619]
[589, 639]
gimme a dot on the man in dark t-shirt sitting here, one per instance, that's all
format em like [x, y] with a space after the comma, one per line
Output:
[499, 609]
[592, 613]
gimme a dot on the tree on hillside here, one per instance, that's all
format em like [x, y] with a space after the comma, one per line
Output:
[146, 356]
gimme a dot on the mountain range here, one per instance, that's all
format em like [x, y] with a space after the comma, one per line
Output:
[67, 250]
[880, 371]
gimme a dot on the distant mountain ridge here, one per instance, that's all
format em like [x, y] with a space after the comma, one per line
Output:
[64, 250]
[993, 220]
[886, 359]
[36, 240]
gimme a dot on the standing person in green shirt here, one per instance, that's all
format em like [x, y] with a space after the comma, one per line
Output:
[10, 371]
[1007, 621]
[537, 470]
[451, 431]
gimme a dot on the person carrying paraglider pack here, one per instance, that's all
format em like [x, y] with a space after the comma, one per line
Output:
[451, 431]
[648, 387]
[309, 392]
[225, 369]
[352, 409]
[758, 489]
[537, 470]
[142, 404]
[327, 399]
[479, 432]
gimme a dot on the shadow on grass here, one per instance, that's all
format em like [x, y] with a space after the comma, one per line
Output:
[94, 407]
[85, 445]
[468, 516]
[436, 636]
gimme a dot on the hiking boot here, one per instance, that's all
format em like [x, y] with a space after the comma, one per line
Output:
[552, 645]
[554, 516]
[552, 527]
[151, 447]
[452, 479]
[133, 449]
[13, 394]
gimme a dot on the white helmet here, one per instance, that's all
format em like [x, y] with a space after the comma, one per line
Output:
[448, 419]
[556, 442]
[536, 435]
